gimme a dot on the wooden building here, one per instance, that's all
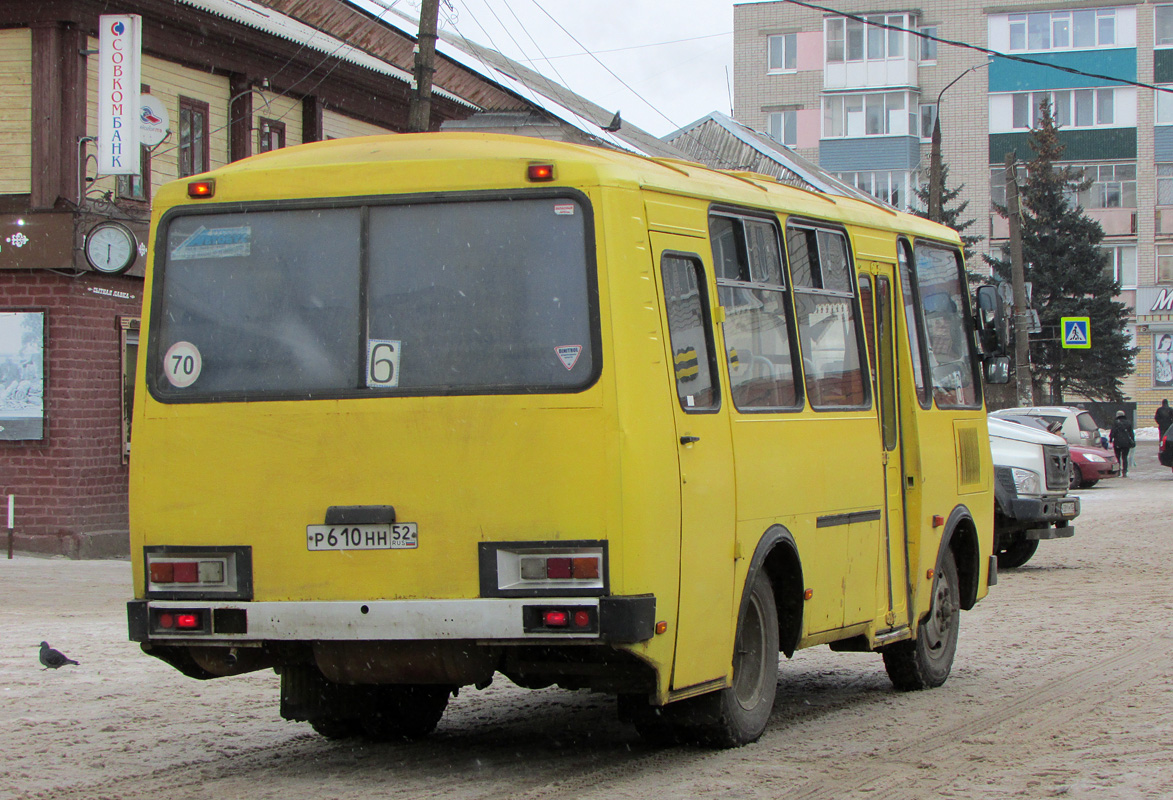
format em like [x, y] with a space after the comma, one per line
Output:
[235, 77]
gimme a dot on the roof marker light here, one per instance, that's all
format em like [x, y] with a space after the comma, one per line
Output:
[540, 172]
[204, 188]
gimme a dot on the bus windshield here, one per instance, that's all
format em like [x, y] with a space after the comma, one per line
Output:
[492, 295]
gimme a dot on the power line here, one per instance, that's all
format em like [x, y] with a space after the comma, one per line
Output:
[978, 48]
[636, 46]
[604, 66]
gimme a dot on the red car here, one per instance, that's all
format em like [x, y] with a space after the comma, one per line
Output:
[1089, 465]
[1165, 448]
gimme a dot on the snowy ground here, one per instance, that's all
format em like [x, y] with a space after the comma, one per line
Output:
[1062, 687]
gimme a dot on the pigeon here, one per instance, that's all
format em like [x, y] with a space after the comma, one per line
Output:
[54, 659]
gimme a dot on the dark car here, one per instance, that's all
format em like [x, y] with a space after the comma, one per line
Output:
[1165, 448]
[1090, 465]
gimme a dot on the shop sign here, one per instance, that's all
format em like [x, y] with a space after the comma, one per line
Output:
[119, 66]
[1154, 300]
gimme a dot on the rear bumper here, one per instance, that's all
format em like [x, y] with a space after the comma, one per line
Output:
[615, 620]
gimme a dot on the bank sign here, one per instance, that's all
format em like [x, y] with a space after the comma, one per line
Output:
[119, 56]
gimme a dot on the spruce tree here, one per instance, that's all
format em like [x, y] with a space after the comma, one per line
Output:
[951, 216]
[1071, 277]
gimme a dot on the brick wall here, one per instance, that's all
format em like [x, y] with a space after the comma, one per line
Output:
[71, 487]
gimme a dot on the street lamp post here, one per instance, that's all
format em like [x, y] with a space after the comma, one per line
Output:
[935, 188]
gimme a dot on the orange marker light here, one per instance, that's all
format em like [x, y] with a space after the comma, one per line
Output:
[938, 520]
[808, 594]
[540, 172]
[205, 188]
[661, 627]
[928, 575]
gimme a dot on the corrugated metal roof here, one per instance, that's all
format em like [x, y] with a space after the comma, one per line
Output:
[722, 142]
[254, 15]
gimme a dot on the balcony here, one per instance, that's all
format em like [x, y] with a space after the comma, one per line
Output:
[878, 74]
[1114, 221]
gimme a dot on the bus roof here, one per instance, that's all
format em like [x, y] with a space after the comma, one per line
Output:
[348, 167]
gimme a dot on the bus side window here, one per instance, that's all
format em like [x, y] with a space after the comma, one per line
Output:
[758, 336]
[832, 350]
[941, 289]
[690, 333]
[912, 323]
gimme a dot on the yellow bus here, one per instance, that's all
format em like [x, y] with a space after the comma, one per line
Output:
[419, 410]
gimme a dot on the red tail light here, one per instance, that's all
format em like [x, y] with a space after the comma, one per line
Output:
[188, 621]
[556, 619]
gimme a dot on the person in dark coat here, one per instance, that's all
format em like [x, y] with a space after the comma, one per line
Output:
[1164, 419]
[1122, 440]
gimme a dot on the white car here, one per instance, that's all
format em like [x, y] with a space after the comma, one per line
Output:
[1074, 424]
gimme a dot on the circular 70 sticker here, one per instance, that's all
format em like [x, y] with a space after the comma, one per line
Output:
[182, 364]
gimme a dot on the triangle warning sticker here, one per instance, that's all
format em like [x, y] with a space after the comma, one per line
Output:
[568, 354]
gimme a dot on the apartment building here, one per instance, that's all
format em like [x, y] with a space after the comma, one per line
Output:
[859, 95]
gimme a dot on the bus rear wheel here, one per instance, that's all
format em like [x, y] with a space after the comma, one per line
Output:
[738, 714]
[925, 662]
[404, 712]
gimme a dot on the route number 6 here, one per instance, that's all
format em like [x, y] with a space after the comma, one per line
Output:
[383, 363]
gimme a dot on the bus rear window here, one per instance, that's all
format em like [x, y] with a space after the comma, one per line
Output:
[486, 296]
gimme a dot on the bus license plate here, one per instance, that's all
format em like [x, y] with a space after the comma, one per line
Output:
[398, 536]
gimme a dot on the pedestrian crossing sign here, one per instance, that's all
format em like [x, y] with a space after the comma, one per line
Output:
[1076, 333]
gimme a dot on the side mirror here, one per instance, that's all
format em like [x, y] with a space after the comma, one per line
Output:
[997, 369]
[991, 322]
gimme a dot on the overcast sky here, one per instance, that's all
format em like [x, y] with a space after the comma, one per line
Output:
[678, 83]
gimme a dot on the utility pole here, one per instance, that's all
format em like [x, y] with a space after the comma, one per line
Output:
[420, 117]
[1018, 283]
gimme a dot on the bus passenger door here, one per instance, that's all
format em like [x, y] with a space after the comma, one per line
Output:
[705, 618]
[879, 321]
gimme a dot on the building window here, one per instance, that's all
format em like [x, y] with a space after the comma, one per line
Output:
[129, 334]
[889, 186]
[873, 114]
[1165, 184]
[783, 53]
[137, 187]
[271, 135]
[783, 127]
[928, 47]
[1113, 186]
[193, 137]
[1165, 105]
[1165, 263]
[1163, 26]
[882, 36]
[928, 117]
[1122, 264]
[1071, 108]
[1063, 30]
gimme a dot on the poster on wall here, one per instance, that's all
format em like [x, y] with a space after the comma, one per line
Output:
[1163, 361]
[22, 374]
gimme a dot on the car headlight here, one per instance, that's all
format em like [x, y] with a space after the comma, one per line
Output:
[1026, 481]
[1092, 457]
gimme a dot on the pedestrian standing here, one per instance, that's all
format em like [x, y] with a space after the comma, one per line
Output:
[1164, 419]
[1122, 440]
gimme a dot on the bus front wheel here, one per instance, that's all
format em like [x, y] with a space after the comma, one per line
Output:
[924, 662]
